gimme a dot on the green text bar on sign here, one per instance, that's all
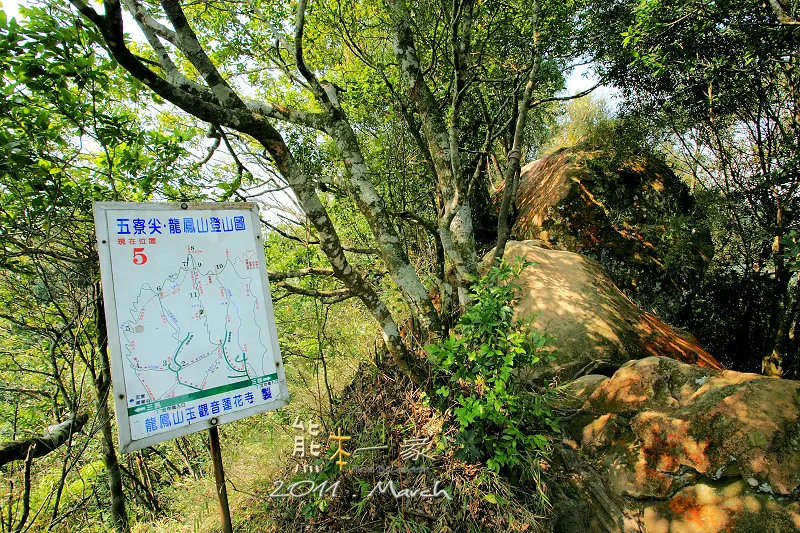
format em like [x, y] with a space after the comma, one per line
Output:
[139, 409]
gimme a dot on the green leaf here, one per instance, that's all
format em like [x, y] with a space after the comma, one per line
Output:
[495, 499]
[541, 441]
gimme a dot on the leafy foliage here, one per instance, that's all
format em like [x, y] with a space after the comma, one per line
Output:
[475, 368]
[73, 130]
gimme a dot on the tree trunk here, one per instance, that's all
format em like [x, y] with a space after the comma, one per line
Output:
[455, 222]
[26, 491]
[513, 163]
[102, 383]
[362, 191]
[772, 364]
[60, 488]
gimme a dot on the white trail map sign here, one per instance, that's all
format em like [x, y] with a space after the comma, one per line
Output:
[191, 329]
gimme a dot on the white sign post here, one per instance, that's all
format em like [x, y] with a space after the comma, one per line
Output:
[191, 329]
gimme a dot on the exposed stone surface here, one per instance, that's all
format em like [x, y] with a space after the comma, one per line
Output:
[674, 419]
[623, 207]
[691, 449]
[714, 508]
[583, 387]
[670, 442]
[595, 326]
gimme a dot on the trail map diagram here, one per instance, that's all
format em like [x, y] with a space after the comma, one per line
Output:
[194, 323]
[196, 329]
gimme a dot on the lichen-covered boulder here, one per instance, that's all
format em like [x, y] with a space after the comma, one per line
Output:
[595, 326]
[721, 507]
[701, 449]
[624, 208]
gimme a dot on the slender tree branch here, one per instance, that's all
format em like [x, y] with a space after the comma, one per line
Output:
[310, 271]
[146, 21]
[316, 87]
[565, 98]
[29, 392]
[316, 121]
[153, 31]
[203, 108]
[211, 149]
[26, 489]
[338, 294]
[40, 446]
[512, 171]
[188, 43]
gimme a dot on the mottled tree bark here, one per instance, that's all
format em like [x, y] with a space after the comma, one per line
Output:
[362, 191]
[102, 384]
[455, 221]
[55, 436]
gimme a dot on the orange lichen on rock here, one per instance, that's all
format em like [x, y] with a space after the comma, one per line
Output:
[703, 508]
[674, 422]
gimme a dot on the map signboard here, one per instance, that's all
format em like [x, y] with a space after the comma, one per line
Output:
[191, 329]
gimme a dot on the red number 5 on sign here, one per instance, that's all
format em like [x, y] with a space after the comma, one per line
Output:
[138, 256]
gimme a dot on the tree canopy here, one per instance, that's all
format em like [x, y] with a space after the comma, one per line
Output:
[456, 82]
[722, 78]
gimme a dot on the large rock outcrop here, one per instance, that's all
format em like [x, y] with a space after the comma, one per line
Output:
[670, 442]
[672, 447]
[613, 203]
[595, 326]
[626, 209]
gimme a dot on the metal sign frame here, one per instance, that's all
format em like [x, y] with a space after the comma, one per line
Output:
[127, 444]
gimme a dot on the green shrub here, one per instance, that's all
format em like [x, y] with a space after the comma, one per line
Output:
[474, 375]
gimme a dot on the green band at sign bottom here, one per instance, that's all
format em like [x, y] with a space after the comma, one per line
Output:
[139, 409]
